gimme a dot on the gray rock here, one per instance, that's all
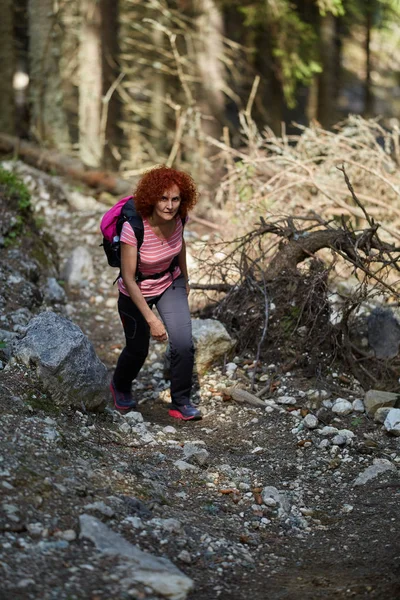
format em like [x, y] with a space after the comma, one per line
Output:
[160, 574]
[358, 406]
[100, 507]
[281, 499]
[383, 333]
[7, 337]
[392, 422]
[381, 414]
[375, 399]
[78, 270]
[379, 465]
[65, 361]
[199, 455]
[53, 293]
[182, 465]
[342, 407]
[310, 421]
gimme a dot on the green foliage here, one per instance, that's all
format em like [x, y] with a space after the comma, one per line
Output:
[15, 187]
[336, 7]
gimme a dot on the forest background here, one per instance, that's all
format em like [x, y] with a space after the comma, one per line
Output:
[126, 84]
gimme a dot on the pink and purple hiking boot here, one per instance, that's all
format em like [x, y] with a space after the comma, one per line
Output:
[188, 412]
[123, 401]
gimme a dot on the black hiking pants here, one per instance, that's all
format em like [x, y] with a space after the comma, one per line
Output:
[173, 308]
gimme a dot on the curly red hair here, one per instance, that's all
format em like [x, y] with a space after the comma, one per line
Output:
[159, 179]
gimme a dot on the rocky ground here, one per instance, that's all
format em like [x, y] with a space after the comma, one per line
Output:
[296, 499]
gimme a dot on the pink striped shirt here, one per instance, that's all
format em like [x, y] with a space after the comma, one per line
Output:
[155, 256]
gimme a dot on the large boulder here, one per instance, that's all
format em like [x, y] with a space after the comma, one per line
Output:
[65, 361]
[211, 341]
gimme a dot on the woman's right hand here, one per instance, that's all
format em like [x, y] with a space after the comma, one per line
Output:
[157, 330]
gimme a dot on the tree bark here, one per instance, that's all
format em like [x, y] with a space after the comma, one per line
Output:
[90, 84]
[7, 64]
[327, 78]
[48, 120]
[368, 97]
[49, 160]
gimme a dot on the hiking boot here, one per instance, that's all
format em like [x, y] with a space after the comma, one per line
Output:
[186, 413]
[123, 401]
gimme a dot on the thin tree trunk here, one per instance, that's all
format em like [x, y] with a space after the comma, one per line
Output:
[7, 64]
[48, 121]
[90, 84]
[111, 135]
[158, 114]
[368, 97]
[326, 80]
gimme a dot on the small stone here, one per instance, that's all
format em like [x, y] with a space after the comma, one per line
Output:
[169, 429]
[100, 507]
[286, 400]
[392, 422]
[342, 407]
[358, 406]
[134, 417]
[339, 440]
[310, 421]
[327, 430]
[381, 414]
[185, 557]
[124, 428]
[185, 466]
[69, 535]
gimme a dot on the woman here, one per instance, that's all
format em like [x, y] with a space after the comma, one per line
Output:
[163, 198]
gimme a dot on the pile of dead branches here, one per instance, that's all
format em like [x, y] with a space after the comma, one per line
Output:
[280, 298]
[298, 174]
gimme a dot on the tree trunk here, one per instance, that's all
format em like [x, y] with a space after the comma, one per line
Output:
[7, 63]
[48, 121]
[158, 84]
[368, 97]
[111, 134]
[327, 78]
[90, 84]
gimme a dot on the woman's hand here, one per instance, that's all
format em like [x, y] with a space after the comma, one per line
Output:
[157, 330]
[187, 288]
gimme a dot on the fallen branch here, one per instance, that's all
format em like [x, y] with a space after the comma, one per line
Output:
[50, 160]
[244, 397]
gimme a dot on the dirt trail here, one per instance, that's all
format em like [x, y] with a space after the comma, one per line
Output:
[267, 512]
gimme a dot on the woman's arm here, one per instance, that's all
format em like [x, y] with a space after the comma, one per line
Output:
[128, 270]
[183, 265]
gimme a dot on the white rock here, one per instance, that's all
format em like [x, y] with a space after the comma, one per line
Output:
[169, 429]
[342, 407]
[358, 406]
[328, 430]
[379, 465]
[182, 465]
[286, 400]
[133, 417]
[310, 421]
[392, 422]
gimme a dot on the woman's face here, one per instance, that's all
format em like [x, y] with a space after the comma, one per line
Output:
[167, 206]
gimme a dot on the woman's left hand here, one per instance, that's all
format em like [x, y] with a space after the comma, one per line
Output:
[187, 288]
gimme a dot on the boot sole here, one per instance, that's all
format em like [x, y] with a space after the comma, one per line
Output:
[178, 415]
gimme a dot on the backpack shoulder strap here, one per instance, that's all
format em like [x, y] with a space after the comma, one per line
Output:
[130, 214]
